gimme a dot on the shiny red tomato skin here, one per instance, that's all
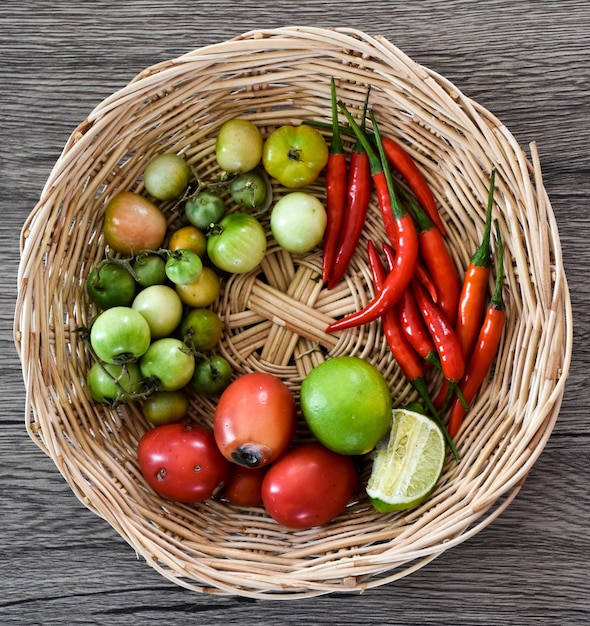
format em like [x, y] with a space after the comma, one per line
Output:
[244, 488]
[308, 486]
[254, 421]
[182, 462]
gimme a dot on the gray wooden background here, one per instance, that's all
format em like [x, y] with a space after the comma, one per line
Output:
[526, 61]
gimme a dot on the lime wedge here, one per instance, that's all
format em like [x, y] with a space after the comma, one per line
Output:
[407, 465]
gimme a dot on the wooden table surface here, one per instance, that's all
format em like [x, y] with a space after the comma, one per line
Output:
[526, 61]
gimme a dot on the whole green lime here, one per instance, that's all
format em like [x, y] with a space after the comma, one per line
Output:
[347, 404]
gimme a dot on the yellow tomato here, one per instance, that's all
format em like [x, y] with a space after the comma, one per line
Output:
[189, 238]
[203, 292]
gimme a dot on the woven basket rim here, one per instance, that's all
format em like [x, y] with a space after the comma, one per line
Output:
[438, 121]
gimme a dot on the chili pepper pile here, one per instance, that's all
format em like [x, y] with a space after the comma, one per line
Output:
[431, 316]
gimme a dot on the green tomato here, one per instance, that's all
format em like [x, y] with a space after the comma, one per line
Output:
[112, 384]
[183, 266]
[237, 244]
[167, 176]
[162, 308]
[204, 209]
[295, 155]
[250, 190]
[165, 407]
[150, 269]
[211, 376]
[201, 329]
[110, 284]
[170, 361]
[238, 147]
[120, 335]
[298, 222]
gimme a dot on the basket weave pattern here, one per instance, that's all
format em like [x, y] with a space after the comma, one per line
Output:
[275, 316]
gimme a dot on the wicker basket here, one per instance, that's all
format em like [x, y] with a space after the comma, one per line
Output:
[275, 318]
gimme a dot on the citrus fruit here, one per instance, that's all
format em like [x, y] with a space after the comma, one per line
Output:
[346, 403]
[407, 465]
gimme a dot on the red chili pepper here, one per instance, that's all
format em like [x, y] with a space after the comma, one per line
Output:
[403, 162]
[406, 357]
[357, 203]
[406, 238]
[445, 339]
[486, 347]
[472, 299]
[336, 184]
[440, 264]
[411, 321]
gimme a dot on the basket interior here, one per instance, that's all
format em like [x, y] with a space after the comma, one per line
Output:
[275, 317]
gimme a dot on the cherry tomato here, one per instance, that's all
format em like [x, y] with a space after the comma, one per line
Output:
[201, 292]
[110, 284]
[132, 223]
[295, 155]
[237, 244]
[201, 329]
[245, 486]
[166, 176]
[162, 308]
[238, 147]
[112, 384]
[170, 361]
[298, 221]
[165, 407]
[254, 420]
[204, 209]
[150, 269]
[120, 335]
[308, 486]
[211, 376]
[181, 462]
[188, 238]
[183, 267]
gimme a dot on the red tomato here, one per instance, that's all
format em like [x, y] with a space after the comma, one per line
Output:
[254, 420]
[245, 486]
[308, 486]
[181, 462]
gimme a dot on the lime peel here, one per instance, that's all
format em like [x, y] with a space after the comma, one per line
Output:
[407, 465]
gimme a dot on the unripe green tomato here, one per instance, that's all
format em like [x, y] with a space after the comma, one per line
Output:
[167, 176]
[204, 209]
[239, 146]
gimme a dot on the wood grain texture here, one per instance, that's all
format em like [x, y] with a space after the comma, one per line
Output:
[529, 63]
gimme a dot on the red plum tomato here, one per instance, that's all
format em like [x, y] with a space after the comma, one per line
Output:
[182, 462]
[254, 421]
[308, 486]
[244, 487]
[133, 223]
